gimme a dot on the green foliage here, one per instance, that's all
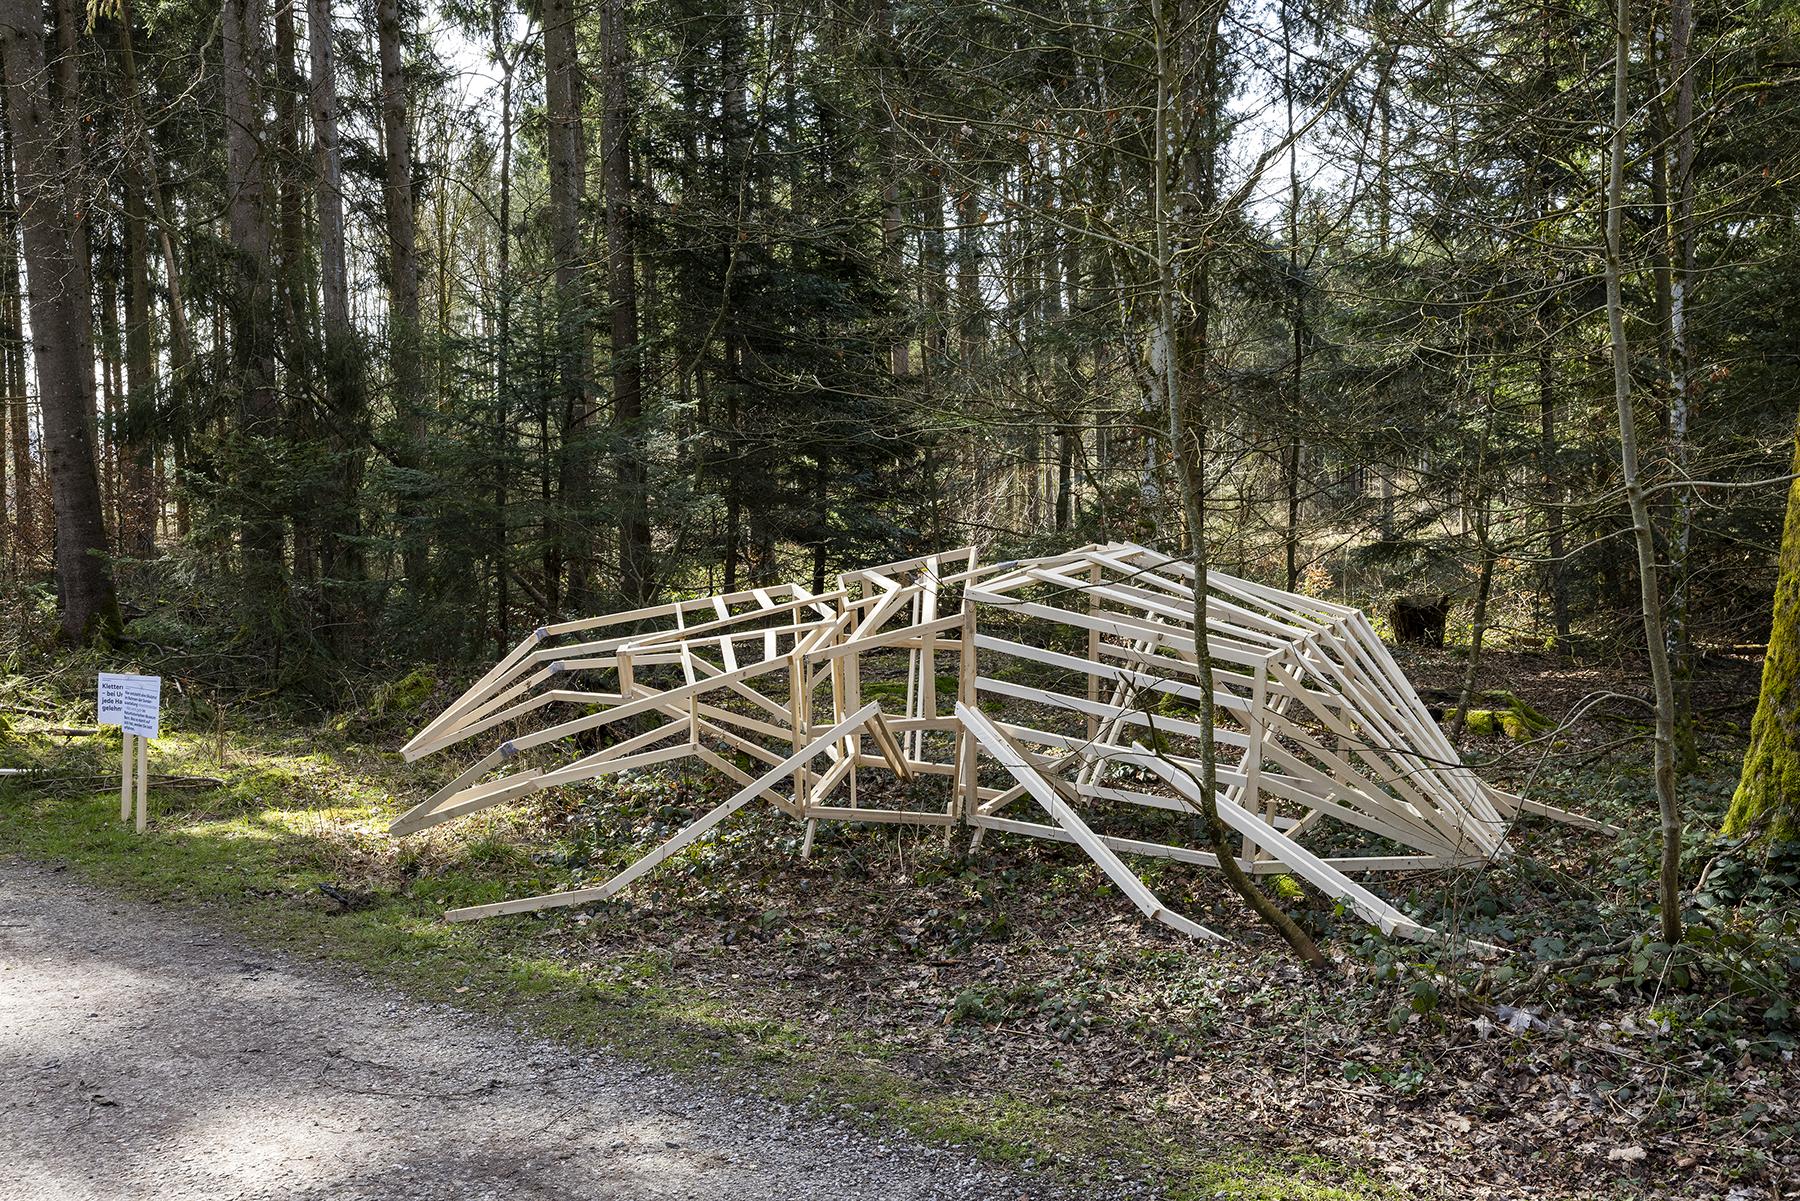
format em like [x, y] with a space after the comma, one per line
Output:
[1064, 1013]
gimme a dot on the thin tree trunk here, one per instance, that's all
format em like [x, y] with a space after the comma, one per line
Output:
[1681, 279]
[621, 285]
[1662, 686]
[971, 307]
[503, 334]
[67, 101]
[1484, 583]
[893, 217]
[403, 292]
[346, 398]
[567, 170]
[112, 400]
[1290, 451]
[252, 308]
[90, 609]
[12, 314]
[294, 300]
[141, 162]
[137, 517]
[1184, 360]
[1556, 577]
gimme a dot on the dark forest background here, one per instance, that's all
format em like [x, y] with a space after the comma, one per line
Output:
[374, 332]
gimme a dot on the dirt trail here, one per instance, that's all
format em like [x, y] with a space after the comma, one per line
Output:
[143, 1056]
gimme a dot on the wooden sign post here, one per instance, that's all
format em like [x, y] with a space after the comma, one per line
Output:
[134, 704]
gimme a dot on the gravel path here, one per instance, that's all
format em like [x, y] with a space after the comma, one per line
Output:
[143, 1056]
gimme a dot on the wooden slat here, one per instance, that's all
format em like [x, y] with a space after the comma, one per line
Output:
[678, 842]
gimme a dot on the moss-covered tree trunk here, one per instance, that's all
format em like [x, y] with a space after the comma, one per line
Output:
[1767, 804]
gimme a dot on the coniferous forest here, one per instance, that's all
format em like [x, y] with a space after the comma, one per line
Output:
[345, 343]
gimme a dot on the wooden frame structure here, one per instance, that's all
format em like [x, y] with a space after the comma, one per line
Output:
[1052, 698]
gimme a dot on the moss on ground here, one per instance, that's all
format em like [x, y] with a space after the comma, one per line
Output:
[252, 856]
[1505, 714]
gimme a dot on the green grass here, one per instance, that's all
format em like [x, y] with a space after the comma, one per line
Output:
[251, 855]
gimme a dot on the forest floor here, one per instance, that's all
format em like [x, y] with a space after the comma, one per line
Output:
[1009, 1003]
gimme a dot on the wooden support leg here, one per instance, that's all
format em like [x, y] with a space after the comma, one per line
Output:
[127, 756]
[767, 782]
[143, 783]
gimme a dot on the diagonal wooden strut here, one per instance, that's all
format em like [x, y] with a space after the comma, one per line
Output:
[1046, 793]
[684, 839]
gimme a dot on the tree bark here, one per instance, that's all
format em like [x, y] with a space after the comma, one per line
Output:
[567, 170]
[893, 219]
[141, 163]
[1185, 351]
[404, 349]
[346, 398]
[971, 332]
[1681, 278]
[137, 516]
[1766, 807]
[252, 309]
[90, 610]
[65, 97]
[1662, 686]
[503, 573]
[12, 313]
[621, 286]
[1555, 574]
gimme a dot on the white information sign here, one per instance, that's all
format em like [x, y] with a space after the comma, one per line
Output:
[112, 697]
[134, 704]
[139, 704]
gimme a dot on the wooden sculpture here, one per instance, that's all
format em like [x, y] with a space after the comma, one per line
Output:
[1051, 698]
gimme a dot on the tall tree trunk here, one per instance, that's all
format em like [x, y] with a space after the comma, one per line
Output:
[621, 286]
[567, 163]
[1662, 686]
[137, 517]
[252, 310]
[346, 398]
[971, 307]
[738, 461]
[112, 401]
[1681, 280]
[1766, 806]
[1556, 576]
[141, 168]
[1184, 360]
[12, 315]
[1291, 450]
[65, 95]
[403, 292]
[893, 213]
[290, 178]
[49, 222]
[507, 58]
[934, 266]
[1484, 584]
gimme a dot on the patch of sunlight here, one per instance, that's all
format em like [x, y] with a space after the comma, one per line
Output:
[346, 820]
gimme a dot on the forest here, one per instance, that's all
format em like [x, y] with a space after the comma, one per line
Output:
[344, 344]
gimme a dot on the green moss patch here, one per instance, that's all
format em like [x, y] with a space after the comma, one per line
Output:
[1505, 714]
